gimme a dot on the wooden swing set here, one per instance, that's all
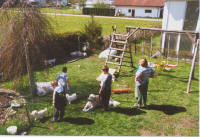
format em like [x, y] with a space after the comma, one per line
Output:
[195, 41]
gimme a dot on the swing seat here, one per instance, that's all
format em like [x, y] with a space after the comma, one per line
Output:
[171, 65]
[117, 91]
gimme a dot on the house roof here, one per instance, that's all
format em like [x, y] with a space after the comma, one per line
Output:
[145, 3]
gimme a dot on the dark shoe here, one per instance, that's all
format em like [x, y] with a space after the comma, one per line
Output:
[60, 120]
[54, 120]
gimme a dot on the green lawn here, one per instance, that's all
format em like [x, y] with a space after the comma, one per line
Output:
[171, 111]
[63, 24]
[61, 10]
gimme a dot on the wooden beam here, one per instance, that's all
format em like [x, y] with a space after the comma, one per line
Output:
[159, 29]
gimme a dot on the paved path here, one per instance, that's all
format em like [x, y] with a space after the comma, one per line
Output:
[110, 17]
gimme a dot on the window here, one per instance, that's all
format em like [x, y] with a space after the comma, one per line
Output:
[148, 11]
[129, 10]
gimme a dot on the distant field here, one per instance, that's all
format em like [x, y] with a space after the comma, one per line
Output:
[63, 24]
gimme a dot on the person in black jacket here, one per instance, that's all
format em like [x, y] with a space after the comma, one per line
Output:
[59, 101]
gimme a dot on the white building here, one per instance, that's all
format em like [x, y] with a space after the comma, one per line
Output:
[90, 3]
[139, 8]
[180, 15]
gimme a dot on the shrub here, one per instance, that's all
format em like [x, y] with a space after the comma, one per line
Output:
[99, 11]
[92, 31]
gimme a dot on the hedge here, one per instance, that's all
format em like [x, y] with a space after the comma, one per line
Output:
[99, 11]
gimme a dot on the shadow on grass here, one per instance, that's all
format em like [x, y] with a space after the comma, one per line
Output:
[167, 109]
[128, 111]
[44, 119]
[159, 90]
[79, 120]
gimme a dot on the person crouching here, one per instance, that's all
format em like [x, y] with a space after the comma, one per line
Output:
[59, 101]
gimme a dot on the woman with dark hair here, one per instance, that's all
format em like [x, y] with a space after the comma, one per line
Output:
[142, 80]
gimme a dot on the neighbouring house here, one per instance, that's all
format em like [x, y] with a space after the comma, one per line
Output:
[139, 8]
[90, 3]
[180, 15]
[37, 2]
[62, 2]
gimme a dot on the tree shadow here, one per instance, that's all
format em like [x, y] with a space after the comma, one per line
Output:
[167, 109]
[194, 92]
[128, 111]
[79, 120]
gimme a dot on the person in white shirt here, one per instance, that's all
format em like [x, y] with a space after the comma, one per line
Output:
[105, 90]
[63, 79]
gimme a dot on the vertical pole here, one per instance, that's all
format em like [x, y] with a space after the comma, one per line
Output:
[151, 47]
[135, 46]
[192, 68]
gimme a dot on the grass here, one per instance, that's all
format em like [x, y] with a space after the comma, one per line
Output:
[62, 10]
[63, 24]
[171, 111]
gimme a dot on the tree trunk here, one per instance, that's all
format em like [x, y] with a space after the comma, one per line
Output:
[28, 67]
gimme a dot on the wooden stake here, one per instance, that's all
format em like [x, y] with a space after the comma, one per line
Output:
[193, 62]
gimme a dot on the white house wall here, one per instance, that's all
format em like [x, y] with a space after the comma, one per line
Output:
[139, 11]
[173, 18]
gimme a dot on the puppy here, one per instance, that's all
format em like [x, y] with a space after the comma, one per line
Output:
[71, 98]
[38, 114]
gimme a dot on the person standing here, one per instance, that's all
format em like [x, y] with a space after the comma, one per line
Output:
[105, 90]
[63, 79]
[142, 80]
[59, 101]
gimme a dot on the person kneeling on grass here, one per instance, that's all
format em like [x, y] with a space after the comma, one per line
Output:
[59, 101]
[142, 80]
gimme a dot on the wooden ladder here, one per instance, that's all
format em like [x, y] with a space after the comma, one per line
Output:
[120, 40]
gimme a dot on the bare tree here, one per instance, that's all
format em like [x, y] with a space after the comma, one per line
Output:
[22, 33]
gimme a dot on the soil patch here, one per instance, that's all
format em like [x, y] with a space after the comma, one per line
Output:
[146, 133]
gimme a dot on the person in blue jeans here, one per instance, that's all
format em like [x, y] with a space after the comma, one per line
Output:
[142, 80]
[63, 80]
[59, 101]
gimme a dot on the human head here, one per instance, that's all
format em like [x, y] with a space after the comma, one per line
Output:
[64, 69]
[54, 83]
[105, 69]
[143, 62]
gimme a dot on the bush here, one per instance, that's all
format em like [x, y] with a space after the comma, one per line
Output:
[92, 32]
[99, 11]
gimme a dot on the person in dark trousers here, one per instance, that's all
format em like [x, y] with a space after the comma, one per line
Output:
[63, 79]
[59, 101]
[105, 90]
[142, 81]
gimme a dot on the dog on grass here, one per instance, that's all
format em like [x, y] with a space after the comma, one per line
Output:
[38, 114]
[94, 102]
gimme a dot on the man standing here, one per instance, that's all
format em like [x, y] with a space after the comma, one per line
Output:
[105, 90]
[63, 79]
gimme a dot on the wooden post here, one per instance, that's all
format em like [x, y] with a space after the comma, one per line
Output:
[135, 46]
[192, 67]
[151, 47]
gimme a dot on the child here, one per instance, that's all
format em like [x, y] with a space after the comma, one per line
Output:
[142, 80]
[63, 79]
[59, 101]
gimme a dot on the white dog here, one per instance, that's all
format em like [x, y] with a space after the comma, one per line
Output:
[38, 114]
[93, 102]
[50, 62]
[71, 98]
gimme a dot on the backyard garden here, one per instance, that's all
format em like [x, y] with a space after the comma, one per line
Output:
[170, 111]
